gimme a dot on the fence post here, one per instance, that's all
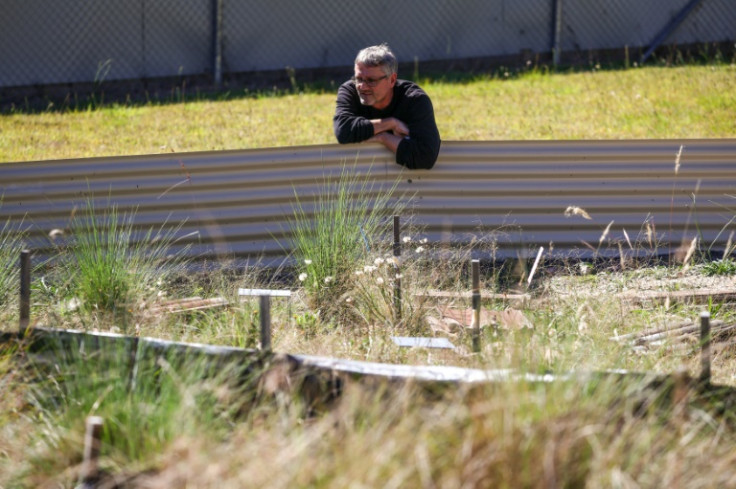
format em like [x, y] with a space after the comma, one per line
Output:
[556, 31]
[671, 27]
[475, 265]
[92, 442]
[25, 291]
[265, 315]
[397, 278]
[217, 41]
[705, 347]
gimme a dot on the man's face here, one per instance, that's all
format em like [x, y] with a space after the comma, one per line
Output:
[376, 88]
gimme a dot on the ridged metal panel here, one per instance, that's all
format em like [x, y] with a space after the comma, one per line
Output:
[236, 203]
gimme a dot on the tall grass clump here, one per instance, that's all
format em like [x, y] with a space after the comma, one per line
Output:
[112, 265]
[11, 244]
[146, 405]
[335, 230]
[508, 435]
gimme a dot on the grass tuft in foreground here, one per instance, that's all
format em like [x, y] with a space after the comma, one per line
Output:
[111, 266]
[11, 244]
[335, 230]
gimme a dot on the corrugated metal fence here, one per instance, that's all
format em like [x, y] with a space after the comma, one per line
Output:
[46, 42]
[235, 204]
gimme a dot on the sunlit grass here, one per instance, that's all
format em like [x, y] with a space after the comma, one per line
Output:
[11, 245]
[652, 102]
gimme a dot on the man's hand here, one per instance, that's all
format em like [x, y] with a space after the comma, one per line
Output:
[390, 124]
[388, 139]
[400, 129]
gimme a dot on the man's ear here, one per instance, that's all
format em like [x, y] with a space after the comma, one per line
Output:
[392, 79]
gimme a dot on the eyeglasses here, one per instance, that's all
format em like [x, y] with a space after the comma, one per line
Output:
[371, 82]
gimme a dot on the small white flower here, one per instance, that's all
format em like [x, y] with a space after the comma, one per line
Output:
[307, 261]
[379, 281]
[399, 276]
[73, 304]
[328, 280]
[419, 249]
[378, 261]
[424, 241]
[407, 239]
[359, 272]
[348, 300]
[369, 268]
[302, 277]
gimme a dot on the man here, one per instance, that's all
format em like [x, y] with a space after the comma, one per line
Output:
[376, 106]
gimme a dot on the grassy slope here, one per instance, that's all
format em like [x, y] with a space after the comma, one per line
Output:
[656, 102]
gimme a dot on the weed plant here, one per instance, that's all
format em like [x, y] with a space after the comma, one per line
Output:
[335, 230]
[11, 244]
[724, 266]
[146, 405]
[111, 266]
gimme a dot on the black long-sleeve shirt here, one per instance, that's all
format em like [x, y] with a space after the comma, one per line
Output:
[409, 104]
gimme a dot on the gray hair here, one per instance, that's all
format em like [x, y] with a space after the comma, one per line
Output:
[380, 55]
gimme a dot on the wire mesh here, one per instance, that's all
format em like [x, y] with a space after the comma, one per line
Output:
[605, 24]
[44, 42]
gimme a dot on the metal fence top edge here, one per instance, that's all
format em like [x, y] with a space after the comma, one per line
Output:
[435, 373]
[367, 151]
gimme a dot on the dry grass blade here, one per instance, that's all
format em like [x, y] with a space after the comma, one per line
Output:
[677, 159]
[604, 235]
[577, 211]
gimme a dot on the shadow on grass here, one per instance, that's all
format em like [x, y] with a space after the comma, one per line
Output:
[277, 83]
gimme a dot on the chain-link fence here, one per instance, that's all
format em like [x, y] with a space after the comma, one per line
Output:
[45, 42]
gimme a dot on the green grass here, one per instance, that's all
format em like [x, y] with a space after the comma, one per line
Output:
[107, 266]
[144, 409]
[11, 244]
[335, 230]
[650, 102]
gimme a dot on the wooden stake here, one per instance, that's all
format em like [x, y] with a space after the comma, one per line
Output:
[25, 291]
[705, 347]
[265, 315]
[680, 396]
[92, 442]
[397, 269]
[475, 264]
